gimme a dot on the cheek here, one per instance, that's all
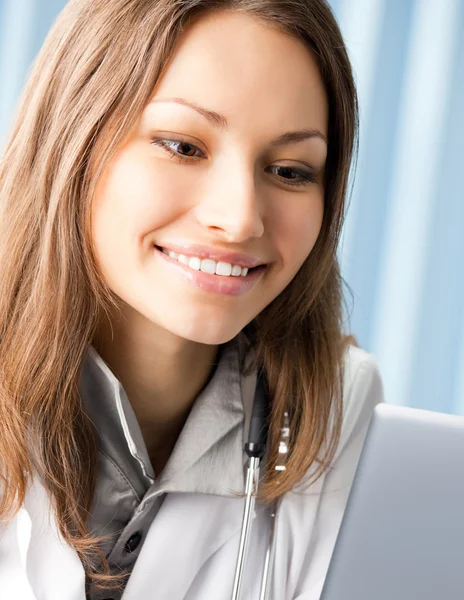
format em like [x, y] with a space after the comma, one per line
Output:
[296, 229]
[134, 197]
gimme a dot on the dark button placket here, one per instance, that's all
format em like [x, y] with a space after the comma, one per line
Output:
[133, 542]
[130, 542]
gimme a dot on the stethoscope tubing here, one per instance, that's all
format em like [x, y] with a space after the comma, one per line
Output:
[255, 449]
[251, 487]
[250, 491]
[265, 592]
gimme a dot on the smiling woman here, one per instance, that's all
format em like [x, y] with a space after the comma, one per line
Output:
[171, 203]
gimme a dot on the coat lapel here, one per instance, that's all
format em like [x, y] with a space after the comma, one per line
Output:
[53, 568]
[187, 531]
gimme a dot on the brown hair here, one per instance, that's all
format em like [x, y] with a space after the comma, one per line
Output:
[93, 77]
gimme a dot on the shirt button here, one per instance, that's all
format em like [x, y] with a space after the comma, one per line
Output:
[132, 542]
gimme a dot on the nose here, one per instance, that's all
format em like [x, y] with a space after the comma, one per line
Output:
[230, 206]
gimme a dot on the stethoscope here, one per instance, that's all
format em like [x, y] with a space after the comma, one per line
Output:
[255, 448]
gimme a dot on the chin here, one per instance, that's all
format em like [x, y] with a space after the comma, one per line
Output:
[213, 333]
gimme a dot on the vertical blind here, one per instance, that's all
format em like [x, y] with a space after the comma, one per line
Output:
[402, 250]
[403, 247]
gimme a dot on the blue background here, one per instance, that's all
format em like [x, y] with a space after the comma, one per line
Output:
[402, 247]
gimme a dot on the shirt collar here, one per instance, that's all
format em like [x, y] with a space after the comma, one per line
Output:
[208, 456]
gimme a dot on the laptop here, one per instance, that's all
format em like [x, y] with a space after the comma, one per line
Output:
[402, 533]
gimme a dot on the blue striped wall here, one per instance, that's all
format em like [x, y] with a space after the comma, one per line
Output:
[402, 249]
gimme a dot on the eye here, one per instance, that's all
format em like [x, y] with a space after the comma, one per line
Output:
[303, 176]
[184, 146]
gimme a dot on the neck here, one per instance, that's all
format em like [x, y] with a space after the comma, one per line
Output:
[161, 373]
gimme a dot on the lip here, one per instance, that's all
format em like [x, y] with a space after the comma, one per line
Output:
[218, 284]
[234, 258]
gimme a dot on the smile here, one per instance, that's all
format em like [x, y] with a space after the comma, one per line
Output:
[208, 265]
[211, 276]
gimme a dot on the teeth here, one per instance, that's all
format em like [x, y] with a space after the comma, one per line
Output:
[194, 263]
[207, 265]
[224, 268]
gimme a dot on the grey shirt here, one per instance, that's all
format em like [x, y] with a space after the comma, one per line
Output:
[208, 457]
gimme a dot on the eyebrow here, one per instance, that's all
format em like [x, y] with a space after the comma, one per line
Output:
[220, 122]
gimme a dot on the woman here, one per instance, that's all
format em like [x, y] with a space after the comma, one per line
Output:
[171, 203]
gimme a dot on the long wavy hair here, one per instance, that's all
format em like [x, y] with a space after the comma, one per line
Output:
[90, 82]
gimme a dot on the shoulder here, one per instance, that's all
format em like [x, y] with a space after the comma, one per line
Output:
[359, 366]
[311, 513]
[362, 391]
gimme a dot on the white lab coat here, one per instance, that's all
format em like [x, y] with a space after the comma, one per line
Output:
[191, 547]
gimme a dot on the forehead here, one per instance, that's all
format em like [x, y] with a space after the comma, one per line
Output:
[247, 70]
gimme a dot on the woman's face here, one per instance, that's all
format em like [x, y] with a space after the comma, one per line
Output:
[233, 186]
